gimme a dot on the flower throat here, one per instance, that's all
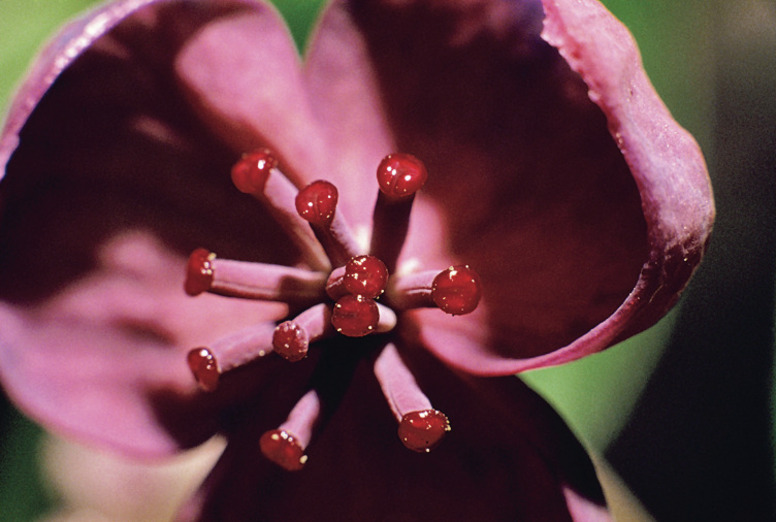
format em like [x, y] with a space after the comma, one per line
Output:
[342, 291]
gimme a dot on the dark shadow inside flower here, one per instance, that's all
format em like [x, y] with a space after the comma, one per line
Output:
[261, 392]
[114, 146]
[492, 466]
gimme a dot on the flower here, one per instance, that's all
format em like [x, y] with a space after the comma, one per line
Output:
[553, 171]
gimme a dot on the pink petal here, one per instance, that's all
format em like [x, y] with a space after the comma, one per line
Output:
[244, 77]
[342, 80]
[116, 341]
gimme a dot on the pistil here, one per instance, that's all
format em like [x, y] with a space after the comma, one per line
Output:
[292, 339]
[361, 275]
[455, 291]
[285, 445]
[355, 315]
[399, 177]
[257, 174]
[248, 280]
[317, 204]
[208, 363]
[421, 427]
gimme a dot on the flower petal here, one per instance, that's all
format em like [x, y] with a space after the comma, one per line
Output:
[244, 77]
[342, 80]
[508, 457]
[557, 171]
[116, 341]
[111, 181]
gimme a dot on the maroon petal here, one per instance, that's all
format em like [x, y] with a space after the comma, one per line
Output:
[508, 457]
[557, 172]
[109, 181]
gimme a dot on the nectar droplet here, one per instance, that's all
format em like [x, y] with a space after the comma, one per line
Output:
[250, 173]
[401, 175]
[290, 341]
[355, 315]
[281, 447]
[366, 276]
[317, 202]
[422, 431]
[457, 290]
[199, 272]
[204, 367]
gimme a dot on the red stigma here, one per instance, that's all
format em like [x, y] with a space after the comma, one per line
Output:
[250, 174]
[421, 431]
[366, 276]
[204, 367]
[199, 272]
[456, 291]
[400, 175]
[281, 447]
[290, 341]
[317, 202]
[355, 315]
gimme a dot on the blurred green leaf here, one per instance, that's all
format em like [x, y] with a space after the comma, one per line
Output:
[22, 495]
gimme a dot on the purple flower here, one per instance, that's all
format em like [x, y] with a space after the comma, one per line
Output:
[571, 204]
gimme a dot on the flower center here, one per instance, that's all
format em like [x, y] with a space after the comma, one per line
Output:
[365, 275]
[355, 315]
[343, 292]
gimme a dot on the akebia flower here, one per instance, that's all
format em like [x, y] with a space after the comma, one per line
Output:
[339, 262]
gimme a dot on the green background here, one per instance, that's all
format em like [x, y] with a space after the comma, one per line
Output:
[682, 411]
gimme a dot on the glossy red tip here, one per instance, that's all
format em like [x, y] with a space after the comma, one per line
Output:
[290, 341]
[422, 431]
[317, 202]
[250, 173]
[355, 315]
[199, 272]
[400, 175]
[366, 276]
[282, 448]
[457, 290]
[204, 367]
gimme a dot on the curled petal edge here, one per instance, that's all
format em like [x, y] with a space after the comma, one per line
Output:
[667, 166]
